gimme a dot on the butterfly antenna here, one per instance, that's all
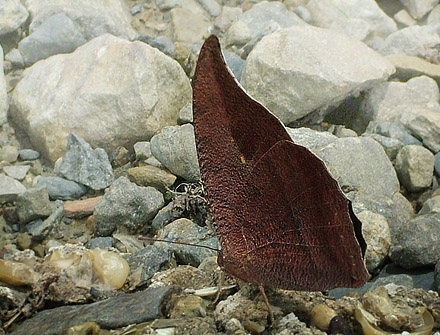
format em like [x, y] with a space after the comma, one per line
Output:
[151, 239]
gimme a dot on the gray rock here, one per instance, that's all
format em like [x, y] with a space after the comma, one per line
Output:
[132, 308]
[40, 229]
[419, 242]
[415, 167]
[17, 171]
[60, 188]
[145, 262]
[360, 164]
[189, 27]
[437, 163]
[28, 154]
[418, 9]
[391, 145]
[363, 20]
[10, 188]
[136, 9]
[311, 139]
[33, 204]
[185, 114]
[148, 175]
[378, 237]
[101, 243]
[211, 6]
[184, 230]
[162, 218]
[238, 34]
[124, 91]
[403, 18]
[57, 34]
[3, 93]
[163, 43]
[342, 131]
[410, 40]
[227, 17]
[431, 205]
[294, 85]
[87, 166]
[395, 130]
[15, 58]
[437, 276]
[142, 150]
[408, 67]
[13, 17]
[126, 205]
[389, 100]
[175, 148]
[303, 13]
[235, 63]
[9, 153]
[93, 18]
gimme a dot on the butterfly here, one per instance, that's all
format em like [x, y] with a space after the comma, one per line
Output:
[281, 218]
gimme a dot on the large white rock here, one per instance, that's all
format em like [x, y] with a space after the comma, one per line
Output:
[360, 19]
[3, 92]
[110, 91]
[418, 8]
[302, 68]
[13, 17]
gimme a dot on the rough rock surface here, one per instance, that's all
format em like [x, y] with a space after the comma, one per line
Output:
[109, 85]
[3, 95]
[302, 68]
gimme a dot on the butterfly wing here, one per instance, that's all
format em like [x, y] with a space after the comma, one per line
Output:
[281, 218]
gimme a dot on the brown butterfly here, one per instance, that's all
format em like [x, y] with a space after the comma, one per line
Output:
[281, 218]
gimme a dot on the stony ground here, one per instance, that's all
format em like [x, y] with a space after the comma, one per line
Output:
[97, 147]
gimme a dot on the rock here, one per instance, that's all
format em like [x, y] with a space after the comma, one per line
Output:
[185, 276]
[418, 9]
[3, 93]
[391, 99]
[342, 131]
[408, 67]
[60, 188]
[162, 218]
[175, 148]
[437, 276]
[189, 27]
[391, 145]
[423, 124]
[33, 204]
[415, 167]
[8, 153]
[80, 208]
[23, 241]
[40, 229]
[431, 205]
[410, 40]
[293, 86]
[126, 205]
[377, 235]
[238, 34]
[12, 21]
[211, 6]
[363, 20]
[437, 163]
[142, 150]
[145, 262]
[57, 34]
[28, 154]
[403, 18]
[93, 19]
[148, 175]
[184, 230]
[311, 139]
[235, 63]
[185, 115]
[419, 243]
[304, 14]
[120, 157]
[9, 188]
[101, 243]
[17, 171]
[227, 17]
[189, 306]
[321, 315]
[360, 164]
[85, 165]
[434, 16]
[395, 130]
[131, 308]
[120, 89]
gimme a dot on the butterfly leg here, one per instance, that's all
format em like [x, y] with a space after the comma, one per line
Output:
[221, 278]
[266, 301]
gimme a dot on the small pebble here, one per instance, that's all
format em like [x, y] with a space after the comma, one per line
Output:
[28, 154]
[321, 316]
[23, 241]
[17, 172]
[9, 153]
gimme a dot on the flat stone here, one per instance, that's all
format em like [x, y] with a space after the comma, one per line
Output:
[10, 188]
[148, 175]
[17, 171]
[403, 18]
[126, 206]
[408, 67]
[431, 205]
[60, 188]
[87, 166]
[28, 154]
[311, 139]
[80, 208]
[115, 312]
[39, 229]
[419, 242]
[174, 147]
[394, 130]
[185, 114]
[391, 145]
[9, 153]
[415, 167]
[33, 204]
[280, 74]
[101, 243]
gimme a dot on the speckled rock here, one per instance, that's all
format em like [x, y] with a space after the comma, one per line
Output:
[17, 171]
[294, 86]
[418, 244]
[175, 148]
[395, 130]
[33, 204]
[391, 146]
[415, 167]
[10, 188]
[431, 205]
[377, 235]
[60, 188]
[126, 205]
